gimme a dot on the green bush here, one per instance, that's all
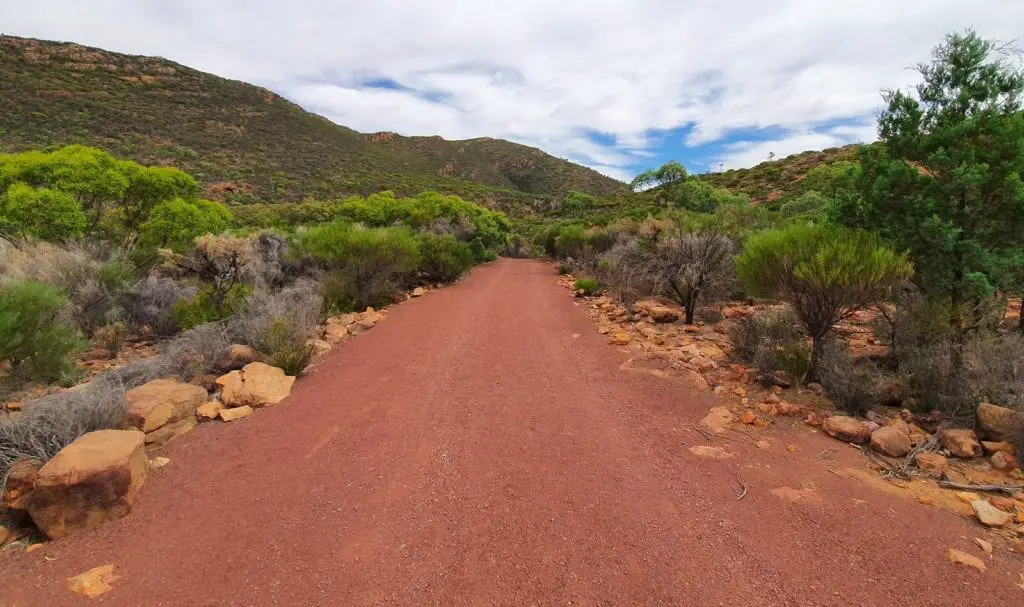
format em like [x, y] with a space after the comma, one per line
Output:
[588, 286]
[41, 212]
[367, 264]
[291, 355]
[564, 268]
[826, 273]
[773, 341]
[33, 338]
[444, 258]
[205, 307]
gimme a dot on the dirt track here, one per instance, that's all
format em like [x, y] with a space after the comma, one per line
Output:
[471, 450]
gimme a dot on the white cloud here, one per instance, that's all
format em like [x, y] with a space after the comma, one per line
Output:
[748, 153]
[547, 73]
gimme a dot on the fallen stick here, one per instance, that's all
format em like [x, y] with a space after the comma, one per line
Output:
[1009, 489]
[703, 433]
[739, 494]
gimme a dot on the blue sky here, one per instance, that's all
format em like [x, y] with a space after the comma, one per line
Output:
[617, 85]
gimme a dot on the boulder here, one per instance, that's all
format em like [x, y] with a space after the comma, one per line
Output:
[164, 434]
[257, 384]
[847, 429]
[236, 356]
[989, 515]
[92, 480]
[235, 413]
[960, 442]
[1003, 461]
[419, 292]
[620, 338]
[917, 434]
[664, 314]
[999, 423]
[161, 401]
[209, 411]
[933, 463]
[891, 440]
[335, 333]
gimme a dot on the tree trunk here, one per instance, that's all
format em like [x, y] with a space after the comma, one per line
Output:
[691, 305]
[817, 345]
[1020, 321]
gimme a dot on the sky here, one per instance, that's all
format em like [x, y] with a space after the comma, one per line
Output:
[617, 85]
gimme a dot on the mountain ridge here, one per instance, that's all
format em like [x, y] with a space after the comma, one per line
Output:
[246, 143]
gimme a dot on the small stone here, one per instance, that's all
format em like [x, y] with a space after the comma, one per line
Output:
[927, 500]
[1003, 503]
[1004, 462]
[664, 314]
[715, 453]
[991, 447]
[94, 582]
[797, 496]
[792, 449]
[747, 417]
[932, 463]
[209, 411]
[235, 413]
[961, 442]
[891, 441]
[13, 406]
[772, 399]
[158, 462]
[171, 431]
[989, 515]
[4, 534]
[739, 391]
[604, 330]
[620, 338]
[762, 444]
[419, 292]
[958, 557]
[320, 347]
[333, 333]
[33, 547]
[847, 429]
[967, 496]
[986, 547]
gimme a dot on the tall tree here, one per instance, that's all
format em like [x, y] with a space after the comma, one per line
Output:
[946, 183]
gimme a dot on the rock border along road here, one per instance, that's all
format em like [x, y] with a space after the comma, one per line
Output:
[471, 451]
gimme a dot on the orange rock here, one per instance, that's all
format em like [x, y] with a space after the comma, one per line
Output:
[715, 453]
[1003, 461]
[847, 429]
[747, 417]
[958, 557]
[1003, 503]
[891, 440]
[961, 442]
[94, 582]
[927, 500]
[990, 447]
[739, 391]
[932, 463]
[792, 448]
[620, 338]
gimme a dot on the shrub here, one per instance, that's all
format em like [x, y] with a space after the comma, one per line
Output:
[588, 286]
[685, 266]
[149, 305]
[826, 273]
[194, 352]
[770, 331]
[209, 305]
[851, 387]
[221, 263]
[51, 423]
[280, 324]
[41, 213]
[111, 336]
[564, 268]
[444, 259]
[368, 264]
[33, 339]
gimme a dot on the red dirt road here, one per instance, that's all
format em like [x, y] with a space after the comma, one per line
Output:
[470, 451]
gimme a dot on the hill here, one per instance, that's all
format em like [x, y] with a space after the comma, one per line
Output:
[248, 144]
[778, 179]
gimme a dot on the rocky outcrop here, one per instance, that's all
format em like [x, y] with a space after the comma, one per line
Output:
[960, 442]
[92, 480]
[256, 385]
[847, 429]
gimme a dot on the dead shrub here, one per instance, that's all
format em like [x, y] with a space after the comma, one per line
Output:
[280, 324]
[852, 386]
[149, 305]
[764, 334]
[196, 351]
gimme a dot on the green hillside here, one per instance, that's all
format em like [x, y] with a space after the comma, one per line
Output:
[247, 144]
